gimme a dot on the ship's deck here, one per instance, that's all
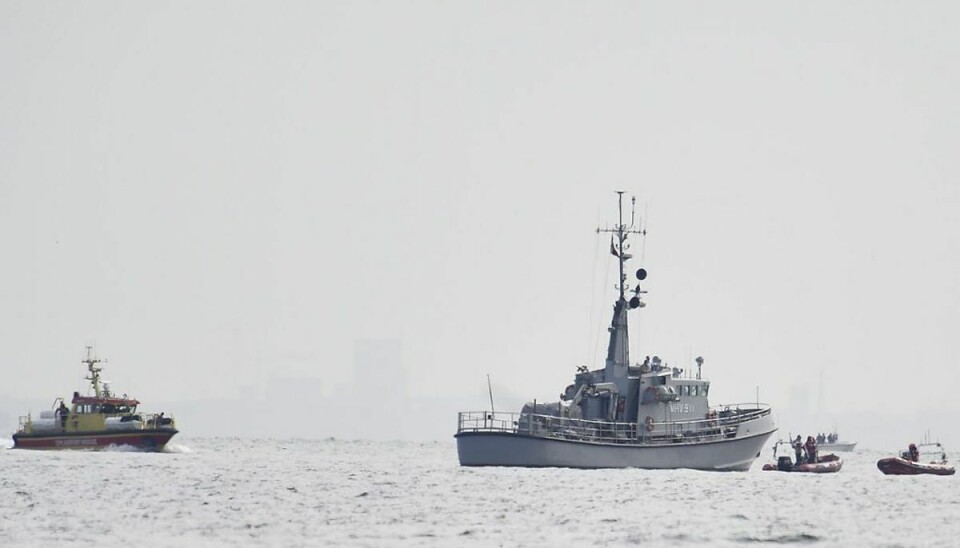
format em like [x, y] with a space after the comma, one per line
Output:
[724, 425]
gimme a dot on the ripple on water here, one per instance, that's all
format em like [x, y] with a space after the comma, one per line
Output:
[233, 492]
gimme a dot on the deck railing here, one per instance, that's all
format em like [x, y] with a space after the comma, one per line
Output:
[724, 422]
[27, 423]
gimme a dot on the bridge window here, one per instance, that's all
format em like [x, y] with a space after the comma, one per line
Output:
[694, 391]
[704, 389]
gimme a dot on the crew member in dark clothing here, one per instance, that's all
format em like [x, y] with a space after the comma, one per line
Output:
[63, 411]
[811, 450]
[914, 452]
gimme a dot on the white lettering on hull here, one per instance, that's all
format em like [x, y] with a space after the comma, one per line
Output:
[83, 442]
[682, 408]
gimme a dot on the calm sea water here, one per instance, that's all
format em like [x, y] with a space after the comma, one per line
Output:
[234, 492]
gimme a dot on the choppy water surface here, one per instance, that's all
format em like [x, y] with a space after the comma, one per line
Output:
[228, 492]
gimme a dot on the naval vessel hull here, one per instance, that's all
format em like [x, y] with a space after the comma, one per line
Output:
[518, 449]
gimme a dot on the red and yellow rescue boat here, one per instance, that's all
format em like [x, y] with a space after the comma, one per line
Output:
[95, 422]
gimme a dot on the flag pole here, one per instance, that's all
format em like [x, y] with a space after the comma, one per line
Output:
[490, 390]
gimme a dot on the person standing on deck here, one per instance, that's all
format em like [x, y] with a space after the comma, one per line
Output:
[811, 450]
[798, 449]
[63, 412]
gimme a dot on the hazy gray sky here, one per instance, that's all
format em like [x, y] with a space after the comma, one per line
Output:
[225, 195]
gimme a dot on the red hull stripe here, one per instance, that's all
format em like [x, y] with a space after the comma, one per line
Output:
[92, 440]
[898, 466]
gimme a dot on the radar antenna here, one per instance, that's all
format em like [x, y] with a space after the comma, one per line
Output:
[619, 246]
[94, 377]
[618, 353]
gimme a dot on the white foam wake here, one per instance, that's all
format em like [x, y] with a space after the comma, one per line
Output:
[176, 448]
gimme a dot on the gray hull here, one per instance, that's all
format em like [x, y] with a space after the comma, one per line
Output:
[843, 446]
[514, 449]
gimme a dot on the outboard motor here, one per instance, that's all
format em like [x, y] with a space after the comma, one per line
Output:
[784, 463]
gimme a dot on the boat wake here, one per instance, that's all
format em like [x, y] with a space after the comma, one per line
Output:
[114, 448]
[168, 448]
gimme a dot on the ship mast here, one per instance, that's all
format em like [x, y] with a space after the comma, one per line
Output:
[94, 377]
[618, 349]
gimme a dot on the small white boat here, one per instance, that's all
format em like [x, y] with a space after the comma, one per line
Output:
[832, 442]
[842, 446]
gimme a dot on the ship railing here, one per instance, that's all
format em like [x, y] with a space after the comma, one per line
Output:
[547, 426]
[487, 421]
[157, 420]
[724, 422]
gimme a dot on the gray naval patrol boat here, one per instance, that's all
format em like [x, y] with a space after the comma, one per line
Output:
[644, 415]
